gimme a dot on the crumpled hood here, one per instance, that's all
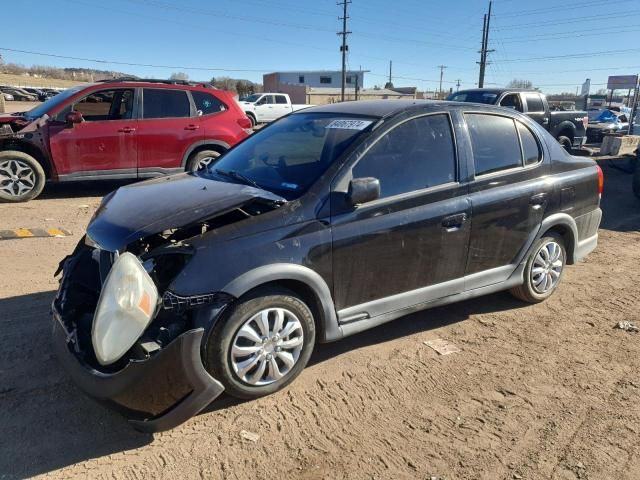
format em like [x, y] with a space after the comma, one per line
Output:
[146, 208]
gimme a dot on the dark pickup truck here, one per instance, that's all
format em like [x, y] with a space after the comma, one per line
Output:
[568, 127]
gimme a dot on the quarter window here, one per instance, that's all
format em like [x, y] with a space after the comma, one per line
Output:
[416, 154]
[530, 147]
[534, 104]
[207, 103]
[495, 143]
[105, 105]
[163, 103]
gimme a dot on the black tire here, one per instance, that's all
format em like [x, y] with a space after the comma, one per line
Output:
[195, 161]
[34, 177]
[566, 143]
[636, 180]
[527, 292]
[220, 340]
[253, 120]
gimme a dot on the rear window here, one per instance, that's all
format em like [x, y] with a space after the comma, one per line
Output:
[162, 103]
[474, 97]
[207, 103]
[495, 142]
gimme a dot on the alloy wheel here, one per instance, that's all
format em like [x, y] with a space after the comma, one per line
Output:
[267, 346]
[204, 163]
[17, 178]
[547, 267]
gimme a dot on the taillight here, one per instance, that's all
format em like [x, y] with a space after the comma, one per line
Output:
[244, 122]
[600, 180]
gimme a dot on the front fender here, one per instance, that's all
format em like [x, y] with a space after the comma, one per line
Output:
[284, 271]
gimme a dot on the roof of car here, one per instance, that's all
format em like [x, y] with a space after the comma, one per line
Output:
[498, 90]
[386, 108]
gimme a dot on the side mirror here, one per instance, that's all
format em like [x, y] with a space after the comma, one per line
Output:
[363, 190]
[72, 118]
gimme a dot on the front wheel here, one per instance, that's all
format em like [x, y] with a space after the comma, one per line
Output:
[22, 178]
[543, 270]
[263, 344]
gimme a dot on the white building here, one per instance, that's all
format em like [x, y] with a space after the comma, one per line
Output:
[313, 79]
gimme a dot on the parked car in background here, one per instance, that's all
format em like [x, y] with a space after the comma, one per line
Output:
[328, 222]
[37, 92]
[8, 97]
[116, 129]
[19, 94]
[607, 122]
[267, 107]
[568, 127]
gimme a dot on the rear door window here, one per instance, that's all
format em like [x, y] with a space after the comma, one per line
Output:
[416, 154]
[163, 103]
[206, 103]
[495, 142]
[530, 147]
[281, 99]
[534, 103]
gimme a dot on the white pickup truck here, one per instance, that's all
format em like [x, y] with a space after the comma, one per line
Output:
[266, 107]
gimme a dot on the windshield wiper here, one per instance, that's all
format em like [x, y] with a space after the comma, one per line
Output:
[238, 176]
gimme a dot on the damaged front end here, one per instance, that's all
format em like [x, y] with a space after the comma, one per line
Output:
[125, 337]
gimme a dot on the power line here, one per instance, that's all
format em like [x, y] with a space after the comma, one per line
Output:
[574, 55]
[573, 6]
[590, 18]
[131, 64]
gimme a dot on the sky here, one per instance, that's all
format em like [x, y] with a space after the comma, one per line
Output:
[556, 45]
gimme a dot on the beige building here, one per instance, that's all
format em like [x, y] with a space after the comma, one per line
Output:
[324, 95]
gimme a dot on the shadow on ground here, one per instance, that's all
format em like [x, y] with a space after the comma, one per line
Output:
[50, 423]
[97, 188]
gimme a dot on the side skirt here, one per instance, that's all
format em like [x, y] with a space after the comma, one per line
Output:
[354, 324]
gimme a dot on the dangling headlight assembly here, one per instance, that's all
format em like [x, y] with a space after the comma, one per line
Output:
[126, 306]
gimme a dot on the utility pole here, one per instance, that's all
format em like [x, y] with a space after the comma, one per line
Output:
[390, 64]
[344, 47]
[484, 50]
[441, 67]
[458, 84]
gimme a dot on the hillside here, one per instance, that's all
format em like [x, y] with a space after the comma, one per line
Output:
[26, 81]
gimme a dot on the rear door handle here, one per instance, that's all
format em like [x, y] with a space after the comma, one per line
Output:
[127, 130]
[192, 127]
[454, 222]
[538, 199]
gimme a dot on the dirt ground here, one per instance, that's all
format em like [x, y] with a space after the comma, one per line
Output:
[11, 107]
[537, 392]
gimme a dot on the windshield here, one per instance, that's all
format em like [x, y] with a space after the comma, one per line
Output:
[52, 102]
[474, 97]
[253, 98]
[290, 155]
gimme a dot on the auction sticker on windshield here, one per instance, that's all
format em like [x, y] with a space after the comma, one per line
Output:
[350, 124]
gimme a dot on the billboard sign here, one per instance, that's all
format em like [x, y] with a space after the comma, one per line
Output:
[622, 82]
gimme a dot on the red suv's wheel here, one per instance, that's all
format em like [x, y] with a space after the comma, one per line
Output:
[21, 177]
[201, 160]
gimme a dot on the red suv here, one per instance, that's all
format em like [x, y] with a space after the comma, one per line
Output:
[124, 128]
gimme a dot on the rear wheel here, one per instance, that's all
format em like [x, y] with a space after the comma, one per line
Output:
[202, 160]
[253, 120]
[263, 344]
[543, 270]
[566, 143]
[22, 178]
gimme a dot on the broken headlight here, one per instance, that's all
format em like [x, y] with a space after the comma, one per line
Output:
[126, 306]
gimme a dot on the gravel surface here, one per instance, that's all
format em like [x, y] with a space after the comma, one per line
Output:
[544, 391]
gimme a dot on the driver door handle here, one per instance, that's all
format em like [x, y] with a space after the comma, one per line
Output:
[126, 130]
[454, 222]
[192, 127]
[538, 199]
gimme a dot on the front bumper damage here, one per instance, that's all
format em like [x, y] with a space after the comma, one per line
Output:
[156, 392]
